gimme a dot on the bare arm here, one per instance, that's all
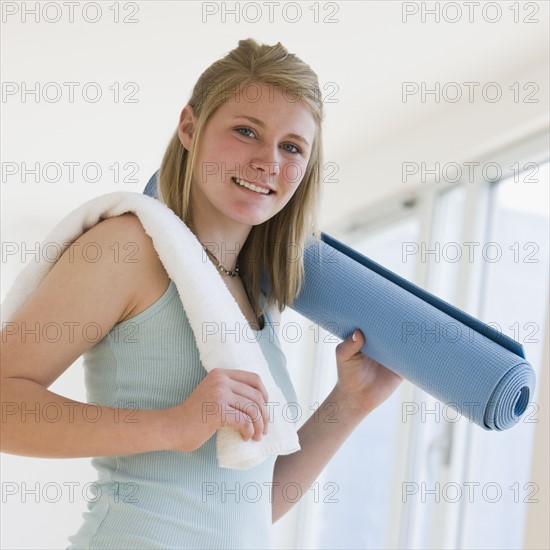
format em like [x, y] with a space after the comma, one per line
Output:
[363, 384]
[79, 293]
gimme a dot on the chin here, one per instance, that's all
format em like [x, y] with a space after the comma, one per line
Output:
[252, 220]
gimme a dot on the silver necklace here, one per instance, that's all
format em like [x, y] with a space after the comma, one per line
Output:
[227, 272]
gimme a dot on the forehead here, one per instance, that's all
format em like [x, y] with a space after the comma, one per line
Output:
[274, 106]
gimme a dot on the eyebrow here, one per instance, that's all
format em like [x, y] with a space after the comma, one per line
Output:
[262, 125]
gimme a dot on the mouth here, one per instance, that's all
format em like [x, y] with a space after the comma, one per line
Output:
[251, 187]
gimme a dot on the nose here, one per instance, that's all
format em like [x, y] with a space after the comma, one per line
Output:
[264, 166]
[262, 169]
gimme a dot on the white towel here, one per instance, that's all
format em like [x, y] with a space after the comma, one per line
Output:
[204, 297]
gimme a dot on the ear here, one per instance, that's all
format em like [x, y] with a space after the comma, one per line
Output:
[186, 126]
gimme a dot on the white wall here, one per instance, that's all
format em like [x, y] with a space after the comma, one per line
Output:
[364, 56]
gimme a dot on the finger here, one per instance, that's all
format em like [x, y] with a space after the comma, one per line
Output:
[349, 347]
[239, 420]
[235, 409]
[250, 378]
[252, 396]
[254, 414]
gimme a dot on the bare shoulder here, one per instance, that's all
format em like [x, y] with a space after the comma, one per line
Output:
[108, 274]
[129, 244]
[127, 229]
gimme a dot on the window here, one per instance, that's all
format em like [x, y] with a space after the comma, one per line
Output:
[514, 300]
[486, 251]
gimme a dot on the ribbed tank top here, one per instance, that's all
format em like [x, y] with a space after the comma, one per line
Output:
[170, 499]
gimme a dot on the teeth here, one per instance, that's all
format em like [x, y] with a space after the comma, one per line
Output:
[251, 186]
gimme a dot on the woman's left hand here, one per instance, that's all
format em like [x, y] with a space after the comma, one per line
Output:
[363, 383]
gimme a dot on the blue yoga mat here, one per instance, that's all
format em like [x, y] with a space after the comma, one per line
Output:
[451, 355]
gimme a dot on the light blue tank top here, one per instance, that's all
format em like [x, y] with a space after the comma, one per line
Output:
[170, 499]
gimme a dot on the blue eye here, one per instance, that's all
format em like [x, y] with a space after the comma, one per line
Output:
[244, 128]
[296, 150]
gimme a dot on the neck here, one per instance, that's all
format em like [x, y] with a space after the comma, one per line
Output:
[223, 242]
[223, 236]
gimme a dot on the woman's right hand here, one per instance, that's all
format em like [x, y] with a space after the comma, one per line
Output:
[225, 397]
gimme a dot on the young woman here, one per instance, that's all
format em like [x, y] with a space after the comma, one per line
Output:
[243, 172]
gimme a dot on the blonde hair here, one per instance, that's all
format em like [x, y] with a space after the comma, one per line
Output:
[276, 245]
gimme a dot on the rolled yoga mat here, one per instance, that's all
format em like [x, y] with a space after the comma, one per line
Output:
[454, 357]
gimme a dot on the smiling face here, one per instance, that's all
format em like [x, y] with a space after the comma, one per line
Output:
[262, 137]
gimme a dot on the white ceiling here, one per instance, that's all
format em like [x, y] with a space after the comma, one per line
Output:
[366, 56]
